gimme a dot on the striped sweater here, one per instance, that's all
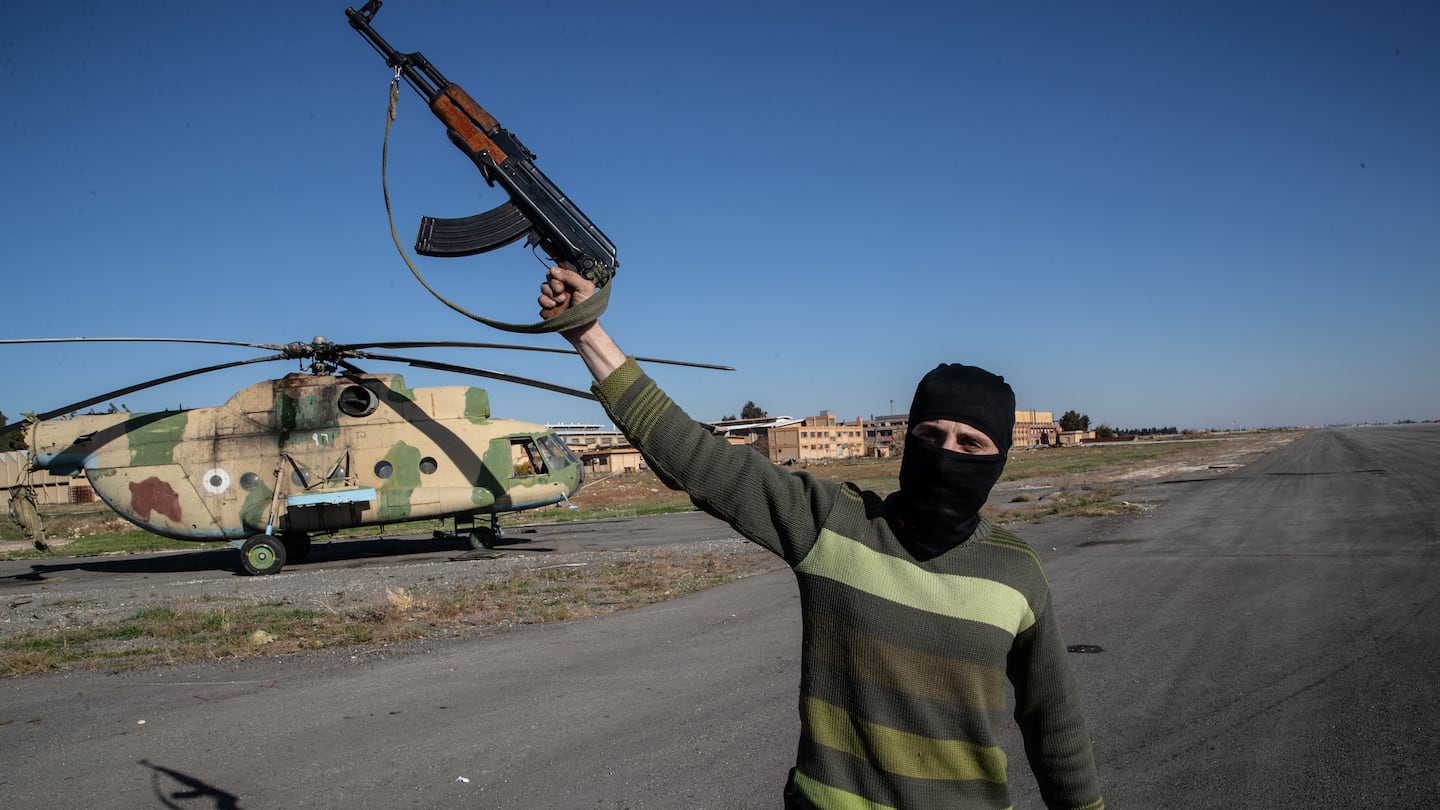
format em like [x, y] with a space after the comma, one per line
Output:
[903, 661]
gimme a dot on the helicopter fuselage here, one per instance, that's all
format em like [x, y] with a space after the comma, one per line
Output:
[310, 453]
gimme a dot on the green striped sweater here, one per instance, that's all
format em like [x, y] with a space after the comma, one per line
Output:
[903, 661]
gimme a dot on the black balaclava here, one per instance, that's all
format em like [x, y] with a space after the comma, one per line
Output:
[941, 491]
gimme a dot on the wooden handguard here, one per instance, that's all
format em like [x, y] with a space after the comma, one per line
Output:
[468, 120]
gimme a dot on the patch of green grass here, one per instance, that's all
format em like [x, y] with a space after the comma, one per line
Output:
[1095, 459]
[74, 638]
[131, 541]
[537, 517]
[882, 475]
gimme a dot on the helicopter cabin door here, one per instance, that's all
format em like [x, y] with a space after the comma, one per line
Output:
[328, 510]
[542, 471]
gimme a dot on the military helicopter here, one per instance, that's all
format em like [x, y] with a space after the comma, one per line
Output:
[327, 448]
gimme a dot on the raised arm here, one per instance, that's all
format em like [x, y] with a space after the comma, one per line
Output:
[563, 289]
[772, 507]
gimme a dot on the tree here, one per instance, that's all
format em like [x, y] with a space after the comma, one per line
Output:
[1072, 420]
[1104, 432]
[15, 440]
[751, 411]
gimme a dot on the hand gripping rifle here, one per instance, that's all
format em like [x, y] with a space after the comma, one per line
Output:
[537, 209]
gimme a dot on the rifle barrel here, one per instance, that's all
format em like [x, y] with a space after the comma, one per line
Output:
[417, 70]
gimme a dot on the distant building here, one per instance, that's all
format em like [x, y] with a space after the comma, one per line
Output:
[50, 489]
[1036, 428]
[748, 427]
[783, 438]
[581, 438]
[817, 438]
[754, 432]
[608, 460]
[600, 449]
[883, 434]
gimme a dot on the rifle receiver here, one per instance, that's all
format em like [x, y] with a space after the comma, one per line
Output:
[537, 210]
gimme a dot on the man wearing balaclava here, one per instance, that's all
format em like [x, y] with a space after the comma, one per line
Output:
[916, 609]
[962, 422]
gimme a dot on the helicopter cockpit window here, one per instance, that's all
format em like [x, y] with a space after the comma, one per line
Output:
[556, 453]
[357, 400]
[525, 458]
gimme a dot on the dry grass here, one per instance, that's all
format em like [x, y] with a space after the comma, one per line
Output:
[199, 629]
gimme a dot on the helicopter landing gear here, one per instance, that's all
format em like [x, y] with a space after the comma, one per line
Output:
[483, 537]
[262, 554]
[297, 546]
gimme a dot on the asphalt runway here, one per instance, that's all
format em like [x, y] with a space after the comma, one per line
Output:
[1267, 639]
[1272, 636]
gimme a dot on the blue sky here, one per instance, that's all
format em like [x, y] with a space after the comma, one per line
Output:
[1201, 215]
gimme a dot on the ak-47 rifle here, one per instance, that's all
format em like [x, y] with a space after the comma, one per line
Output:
[537, 209]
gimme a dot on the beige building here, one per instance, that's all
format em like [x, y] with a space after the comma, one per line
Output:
[817, 438]
[581, 438]
[883, 434]
[602, 450]
[611, 460]
[782, 439]
[1035, 428]
[754, 432]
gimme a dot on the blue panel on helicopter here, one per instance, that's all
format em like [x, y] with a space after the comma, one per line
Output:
[342, 496]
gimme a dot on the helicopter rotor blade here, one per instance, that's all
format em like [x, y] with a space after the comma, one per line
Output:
[321, 348]
[324, 352]
[130, 389]
[349, 367]
[479, 372]
[274, 347]
[458, 344]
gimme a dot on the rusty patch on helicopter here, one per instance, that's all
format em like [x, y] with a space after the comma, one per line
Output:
[154, 496]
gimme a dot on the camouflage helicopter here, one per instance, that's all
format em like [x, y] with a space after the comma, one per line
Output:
[327, 448]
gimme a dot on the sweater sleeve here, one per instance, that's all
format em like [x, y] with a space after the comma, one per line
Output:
[779, 510]
[1048, 711]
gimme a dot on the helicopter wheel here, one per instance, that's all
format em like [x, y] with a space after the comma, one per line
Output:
[482, 537]
[262, 554]
[297, 546]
